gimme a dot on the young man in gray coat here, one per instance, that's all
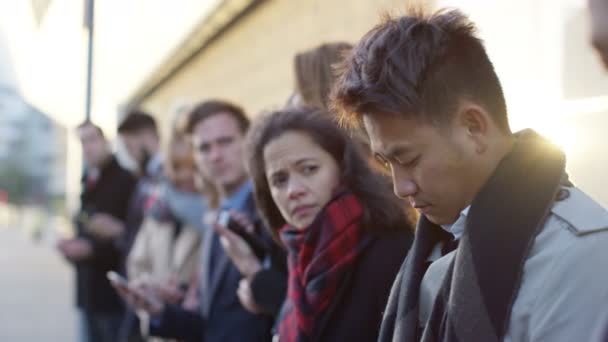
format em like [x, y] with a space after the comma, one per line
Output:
[506, 247]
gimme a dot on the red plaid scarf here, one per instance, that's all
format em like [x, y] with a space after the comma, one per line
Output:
[319, 258]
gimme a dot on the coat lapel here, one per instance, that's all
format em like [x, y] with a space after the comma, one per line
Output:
[205, 272]
[212, 274]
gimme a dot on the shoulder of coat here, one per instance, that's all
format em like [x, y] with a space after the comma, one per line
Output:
[583, 214]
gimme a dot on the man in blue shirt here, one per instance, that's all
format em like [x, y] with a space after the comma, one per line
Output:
[218, 131]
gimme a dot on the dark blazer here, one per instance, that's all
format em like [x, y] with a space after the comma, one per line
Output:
[110, 195]
[222, 317]
[356, 312]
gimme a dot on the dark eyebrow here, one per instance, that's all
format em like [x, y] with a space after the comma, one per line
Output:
[199, 145]
[303, 160]
[396, 151]
[276, 172]
[297, 162]
[224, 138]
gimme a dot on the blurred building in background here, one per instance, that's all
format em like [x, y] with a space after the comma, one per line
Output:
[163, 54]
[32, 146]
[32, 153]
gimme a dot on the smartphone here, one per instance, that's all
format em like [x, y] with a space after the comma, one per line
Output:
[117, 278]
[257, 245]
[150, 301]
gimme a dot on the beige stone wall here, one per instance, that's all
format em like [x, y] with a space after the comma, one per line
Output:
[252, 63]
[552, 79]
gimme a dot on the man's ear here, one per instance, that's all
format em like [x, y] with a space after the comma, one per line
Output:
[475, 121]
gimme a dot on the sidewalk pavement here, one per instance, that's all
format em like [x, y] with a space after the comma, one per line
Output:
[36, 291]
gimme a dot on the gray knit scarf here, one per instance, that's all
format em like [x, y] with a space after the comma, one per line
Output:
[475, 299]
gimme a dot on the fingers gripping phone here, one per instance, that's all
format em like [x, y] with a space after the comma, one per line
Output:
[257, 245]
[148, 302]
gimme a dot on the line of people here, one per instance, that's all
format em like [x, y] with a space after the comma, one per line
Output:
[286, 229]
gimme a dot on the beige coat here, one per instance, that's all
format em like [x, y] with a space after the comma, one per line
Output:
[565, 283]
[156, 255]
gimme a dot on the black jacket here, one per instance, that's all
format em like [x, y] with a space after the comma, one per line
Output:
[356, 311]
[110, 195]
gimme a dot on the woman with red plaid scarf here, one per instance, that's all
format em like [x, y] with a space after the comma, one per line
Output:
[345, 234]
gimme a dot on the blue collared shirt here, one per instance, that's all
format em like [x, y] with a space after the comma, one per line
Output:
[238, 200]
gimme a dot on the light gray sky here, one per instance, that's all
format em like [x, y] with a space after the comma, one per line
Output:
[131, 39]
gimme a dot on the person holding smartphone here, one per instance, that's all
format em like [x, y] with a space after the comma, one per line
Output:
[218, 131]
[261, 289]
[106, 190]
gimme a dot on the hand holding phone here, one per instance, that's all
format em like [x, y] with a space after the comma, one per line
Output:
[138, 297]
[256, 244]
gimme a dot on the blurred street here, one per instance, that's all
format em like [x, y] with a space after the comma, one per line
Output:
[36, 294]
